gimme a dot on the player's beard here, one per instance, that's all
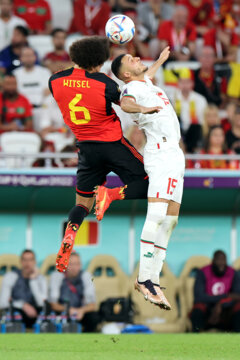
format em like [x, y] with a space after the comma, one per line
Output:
[141, 71]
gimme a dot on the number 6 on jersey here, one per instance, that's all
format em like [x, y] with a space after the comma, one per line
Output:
[74, 108]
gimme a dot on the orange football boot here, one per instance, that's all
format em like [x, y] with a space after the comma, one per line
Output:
[65, 251]
[104, 197]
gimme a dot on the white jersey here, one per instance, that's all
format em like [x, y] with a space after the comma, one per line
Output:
[32, 84]
[158, 126]
[163, 159]
[6, 30]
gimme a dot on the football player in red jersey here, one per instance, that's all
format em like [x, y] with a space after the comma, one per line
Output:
[84, 96]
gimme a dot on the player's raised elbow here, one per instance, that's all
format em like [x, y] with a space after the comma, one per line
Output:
[127, 104]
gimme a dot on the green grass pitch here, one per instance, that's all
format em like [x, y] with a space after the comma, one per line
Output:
[120, 347]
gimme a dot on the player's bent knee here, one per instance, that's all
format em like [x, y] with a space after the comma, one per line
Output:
[173, 221]
[84, 201]
[157, 212]
[156, 215]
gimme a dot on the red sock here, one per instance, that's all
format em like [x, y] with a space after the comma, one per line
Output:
[117, 193]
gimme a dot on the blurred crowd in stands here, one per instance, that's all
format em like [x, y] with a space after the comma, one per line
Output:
[201, 77]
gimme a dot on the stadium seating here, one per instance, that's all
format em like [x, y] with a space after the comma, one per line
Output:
[151, 315]
[20, 143]
[187, 279]
[59, 140]
[62, 12]
[236, 264]
[48, 265]
[70, 39]
[42, 44]
[109, 279]
[8, 262]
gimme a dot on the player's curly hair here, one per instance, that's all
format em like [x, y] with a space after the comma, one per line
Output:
[90, 52]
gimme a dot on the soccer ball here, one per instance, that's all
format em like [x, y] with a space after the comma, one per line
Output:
[120, 29]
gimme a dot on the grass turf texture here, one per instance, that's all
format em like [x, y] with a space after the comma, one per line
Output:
[119, 347]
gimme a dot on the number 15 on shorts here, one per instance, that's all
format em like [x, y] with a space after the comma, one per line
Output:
[171, 185]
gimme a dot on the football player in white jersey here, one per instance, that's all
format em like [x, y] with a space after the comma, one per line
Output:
[163, 161]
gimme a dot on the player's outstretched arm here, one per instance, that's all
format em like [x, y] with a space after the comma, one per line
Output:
[162, 58]
[129, 105]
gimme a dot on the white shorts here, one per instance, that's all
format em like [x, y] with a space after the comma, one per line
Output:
[165, 168]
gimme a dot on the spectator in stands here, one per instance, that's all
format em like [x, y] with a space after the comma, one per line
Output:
[189, 107]
[138, 45]
[76, 289]
[211, 118]
[15, 109]
[136, 137]
[70, 162]
[127, 5]
[51, 125]
[179, 34]
[26, 288]
[201, 13]
[36, 13]
[226, 122]
[210, 80]
[10, 56]
[233, 86]
[216, 296]
[52, 120]
[233, 135]
[8, 22]
[90, 17]
[58, 59]
[224, 41]
[235, 15]
[150, 14]
[216, 145]
[32, 82]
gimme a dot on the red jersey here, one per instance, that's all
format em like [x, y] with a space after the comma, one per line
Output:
[218, 164]
[90, 19]
[16, 110]
[210, 39]
[36, 13]
[55, 57]
[85, 100]
[201, 14]
[167, 32]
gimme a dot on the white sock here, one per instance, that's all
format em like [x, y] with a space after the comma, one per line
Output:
[160, 246]
[155, 214]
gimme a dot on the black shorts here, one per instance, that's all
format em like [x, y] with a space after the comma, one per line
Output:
[96, 160]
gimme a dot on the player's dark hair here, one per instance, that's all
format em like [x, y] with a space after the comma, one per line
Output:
[90, 52]
[22, 29]
[27, 251]
[116, 65]
[56, 30]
